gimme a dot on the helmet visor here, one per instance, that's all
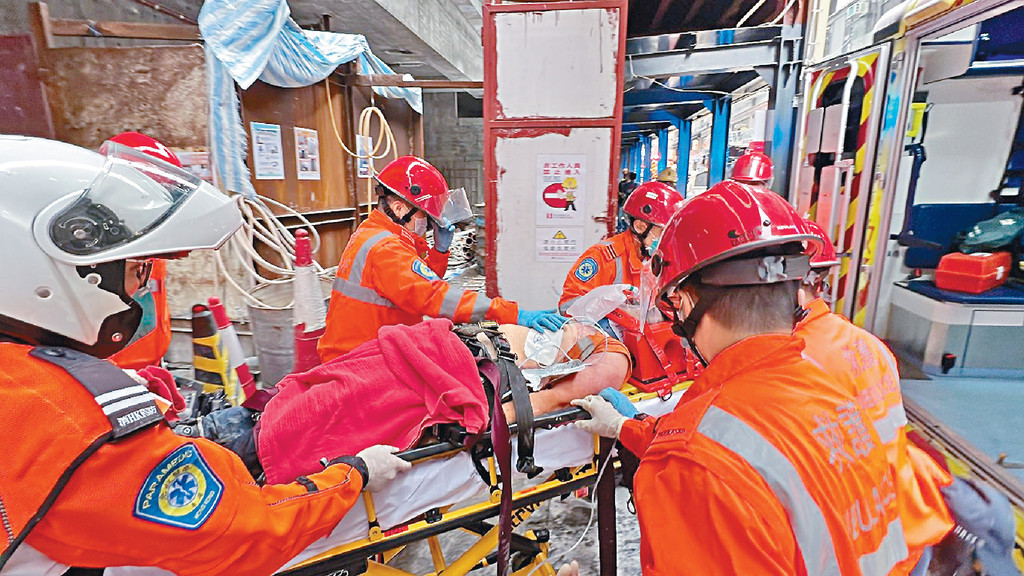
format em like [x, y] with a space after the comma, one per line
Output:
[648, 292]
[133, 194]
[457, 208]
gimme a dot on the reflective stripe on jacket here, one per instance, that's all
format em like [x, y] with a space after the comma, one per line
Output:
[152, 498]
[382, 281]
[615, 260]
[851, 354]
[766, 466]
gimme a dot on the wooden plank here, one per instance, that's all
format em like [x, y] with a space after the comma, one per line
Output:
[397, 81]
[39, 15]
[146, 30]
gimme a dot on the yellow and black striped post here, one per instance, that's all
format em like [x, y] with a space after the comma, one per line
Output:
[209, 356]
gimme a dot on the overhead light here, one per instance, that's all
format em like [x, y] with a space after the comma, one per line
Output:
[413, 63]
[401, 51]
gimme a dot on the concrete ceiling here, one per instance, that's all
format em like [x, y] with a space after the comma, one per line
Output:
[425, 38]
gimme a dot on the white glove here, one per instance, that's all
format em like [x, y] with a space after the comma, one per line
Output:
[572, 569]
[605, 420]
[382, 465]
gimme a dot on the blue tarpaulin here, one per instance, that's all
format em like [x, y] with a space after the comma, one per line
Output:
[257, 39]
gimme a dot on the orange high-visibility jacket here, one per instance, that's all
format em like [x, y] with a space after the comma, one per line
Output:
[150, 348]
[614, 260]
[851, 354]
[766, 466]
[383, 280]
[151, 498]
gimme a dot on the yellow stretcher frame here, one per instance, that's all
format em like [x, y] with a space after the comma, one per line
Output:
[525, 501]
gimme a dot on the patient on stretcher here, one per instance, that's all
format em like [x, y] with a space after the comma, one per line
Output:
[598, 360]
[388, 391]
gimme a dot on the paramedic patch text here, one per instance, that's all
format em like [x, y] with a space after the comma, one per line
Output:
[181, 491]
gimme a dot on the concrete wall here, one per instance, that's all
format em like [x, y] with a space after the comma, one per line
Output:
[455, 145]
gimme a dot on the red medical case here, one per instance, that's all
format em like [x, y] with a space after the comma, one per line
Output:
[659, 358]
[972, 273]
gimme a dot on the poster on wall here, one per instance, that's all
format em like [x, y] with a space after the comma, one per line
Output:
[560, 244]
[560, 189]
[363, 146]
[307, 154]
[267, 153]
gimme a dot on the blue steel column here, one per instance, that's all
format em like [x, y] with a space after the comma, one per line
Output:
[683, 167]
[637, 149]
[720, 108]
[662, 149]
[646, 177]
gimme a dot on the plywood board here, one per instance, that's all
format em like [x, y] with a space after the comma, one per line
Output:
[569, 57]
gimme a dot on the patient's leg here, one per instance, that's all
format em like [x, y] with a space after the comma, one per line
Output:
[607, 365]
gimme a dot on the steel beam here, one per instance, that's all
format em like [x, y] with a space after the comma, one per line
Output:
[645, 174]
[662, 149]
[650, 96]
[719, 152]
[716, 60]
[781, 117]
[683, 166]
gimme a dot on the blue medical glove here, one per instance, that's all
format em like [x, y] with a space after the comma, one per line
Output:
[442, 235]
[541, 319]
[620, 402]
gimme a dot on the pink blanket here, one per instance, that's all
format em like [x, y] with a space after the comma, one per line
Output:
[386, 391]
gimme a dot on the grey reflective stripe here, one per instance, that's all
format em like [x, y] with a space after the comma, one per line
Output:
[356, 273]
[450, 304]
[888, 425]
[361, 293]
[890, 552]
[618, 272]
[480, 308]
[808, 523]
[563, 308]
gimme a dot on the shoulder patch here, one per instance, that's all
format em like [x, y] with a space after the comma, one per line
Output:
[421, 268]
[181, 491]
[586, 270]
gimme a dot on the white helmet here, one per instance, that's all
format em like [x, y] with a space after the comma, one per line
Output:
[70, 218]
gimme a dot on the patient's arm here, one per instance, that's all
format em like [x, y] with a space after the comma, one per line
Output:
[607, 366]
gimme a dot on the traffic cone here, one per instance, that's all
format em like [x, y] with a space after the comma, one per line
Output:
[210, 358]
[236, 358]
[309, 313]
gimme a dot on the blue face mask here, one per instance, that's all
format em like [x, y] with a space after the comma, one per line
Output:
[654, 245]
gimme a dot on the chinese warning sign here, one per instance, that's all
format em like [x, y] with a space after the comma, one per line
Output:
[559, 244]
[561, 190]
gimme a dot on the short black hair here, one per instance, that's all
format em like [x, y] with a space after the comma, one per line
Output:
[755, 308]
[632, 175]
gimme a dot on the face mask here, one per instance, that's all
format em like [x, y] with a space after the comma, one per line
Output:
[420, 227]
[654, 245]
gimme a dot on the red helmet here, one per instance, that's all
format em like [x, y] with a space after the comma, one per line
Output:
[148, 145]
[823, 256]
[728, 220]
[752, 168]
[417, 181]
[653, 202]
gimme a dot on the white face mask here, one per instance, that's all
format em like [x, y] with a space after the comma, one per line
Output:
[419, 227]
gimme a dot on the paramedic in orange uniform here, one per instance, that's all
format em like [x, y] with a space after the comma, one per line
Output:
[150, 343]
[94, 476]
[618, 259]
[767, 465]
[850, 353]
[389, 275]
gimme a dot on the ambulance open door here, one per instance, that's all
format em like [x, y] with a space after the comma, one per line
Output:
[836, 152]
